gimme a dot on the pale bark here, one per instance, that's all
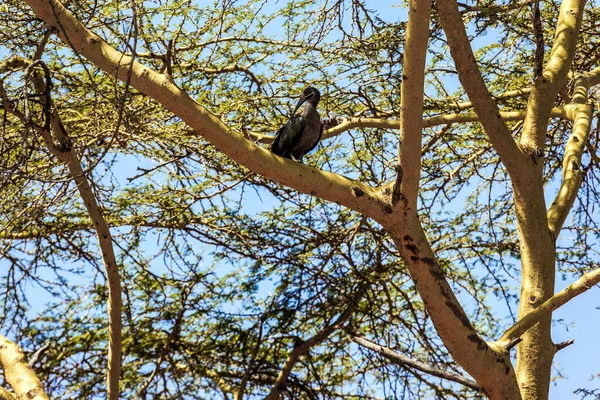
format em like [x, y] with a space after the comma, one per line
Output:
[383, 123]
[578, 287]
[18, 374]
[490, 366]
[472, 81]
[411, 105]
[537, 241]
[394, 206]
[488, 363]
[326, 185]
[581, 114]
[524, 163]
[70, 159]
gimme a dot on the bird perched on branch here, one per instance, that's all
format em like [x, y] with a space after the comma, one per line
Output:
[303, 132]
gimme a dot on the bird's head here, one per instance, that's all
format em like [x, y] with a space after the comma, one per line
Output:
[310, 95]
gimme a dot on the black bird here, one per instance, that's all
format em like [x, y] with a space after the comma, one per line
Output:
[303, 132]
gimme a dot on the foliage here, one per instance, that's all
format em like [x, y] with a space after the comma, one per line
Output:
[225, 272]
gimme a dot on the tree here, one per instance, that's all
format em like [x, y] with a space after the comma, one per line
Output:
[137, 184]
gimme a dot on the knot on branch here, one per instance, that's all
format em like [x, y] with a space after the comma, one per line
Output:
[357, 192]
[534, 151]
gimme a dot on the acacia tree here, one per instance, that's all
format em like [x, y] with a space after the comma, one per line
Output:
[137, 184]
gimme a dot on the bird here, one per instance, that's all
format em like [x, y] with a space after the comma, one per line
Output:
[302, 132]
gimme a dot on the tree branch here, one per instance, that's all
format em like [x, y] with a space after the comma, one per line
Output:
[411, 104]
[18, 374]
[581, 114]
[538, 34]
[578, 287]
[326, 185]
[488, 363]
[537, 241]
[472, 81]
[562, 345]
[546, 86]
[38, 353]
[6, 395]
[70, 159]
[418, 365]
[593, 76]
[319, 337]
[444, 119]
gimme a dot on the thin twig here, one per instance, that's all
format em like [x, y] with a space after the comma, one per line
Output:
[418, 365]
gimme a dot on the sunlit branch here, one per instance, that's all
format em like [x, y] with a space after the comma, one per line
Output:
[578, 287]
[473, 83]
[538, 251]
[487, 363]
[6, 395]
[411, 104]
[70, 159]
[593, 76]
[18, 374]
[581, 114]
[218, 379]
[444, 119]
[546, 87]
[326, 185]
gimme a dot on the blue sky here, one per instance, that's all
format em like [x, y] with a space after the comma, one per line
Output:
[578, 320]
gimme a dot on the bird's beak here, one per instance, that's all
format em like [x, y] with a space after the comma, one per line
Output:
[300, 102]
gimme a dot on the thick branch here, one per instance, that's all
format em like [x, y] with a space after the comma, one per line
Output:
[329, 186]
[488, 363]
[6, 395]
[472, 81]
[18, 374]
[70, 159]
[418, 365]
[411, 106]
[490, 366]
[546, 87]
[593, 76]
[536, 237]
[578, 287]
[572, 175]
